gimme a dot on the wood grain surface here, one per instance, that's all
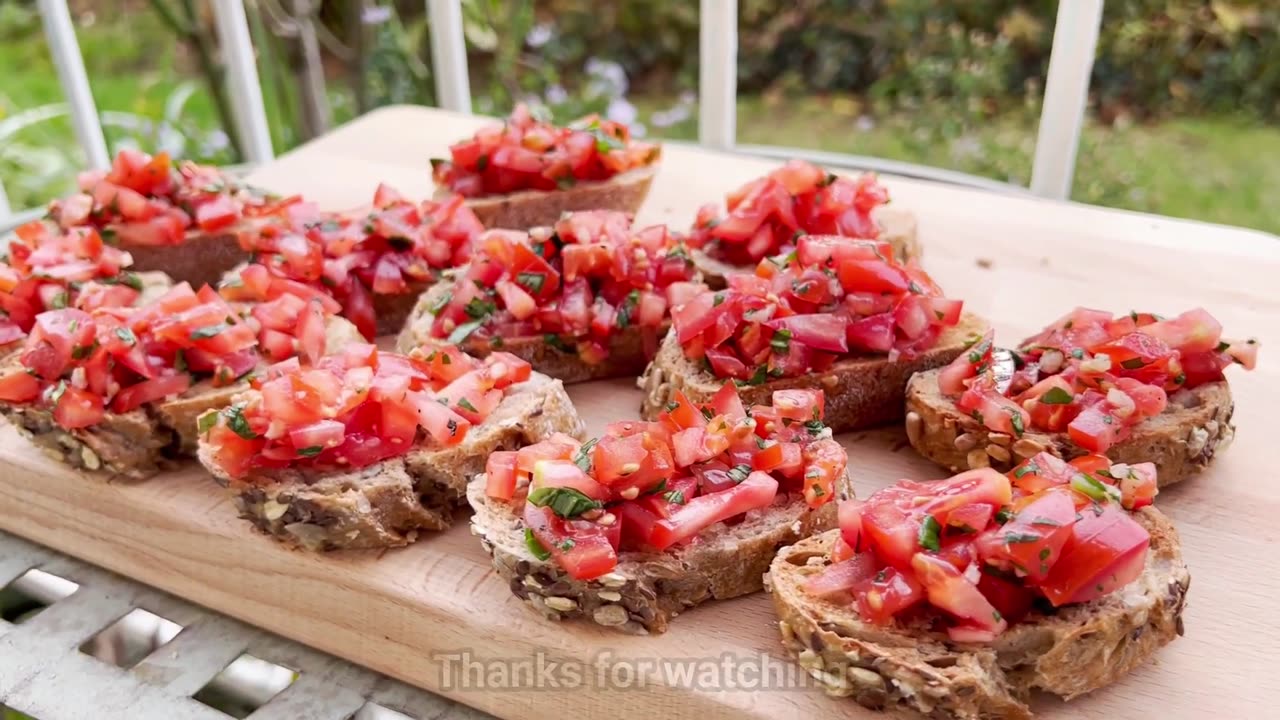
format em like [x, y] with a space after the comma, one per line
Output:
[1020, 261]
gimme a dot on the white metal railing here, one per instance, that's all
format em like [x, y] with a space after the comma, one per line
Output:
[1066, 88]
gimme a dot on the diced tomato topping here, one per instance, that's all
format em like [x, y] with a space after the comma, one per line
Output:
[797, 314]
[1091, 375]
[527, 153]
[662, 483]
[575, 286]
[797, 201]
[980, 548]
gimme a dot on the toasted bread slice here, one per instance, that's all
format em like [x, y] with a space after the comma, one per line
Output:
[647, 590]
[861, 391]
[898, 227]
[542, 208]
[201, 259]
[140, 443]
[1074, 650]
[626, 347]
[1180, 441]
[388, 503]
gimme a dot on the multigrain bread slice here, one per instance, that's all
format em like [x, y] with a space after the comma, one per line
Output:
[542, 208]
[898, 227]
[626, 346]
[647, 590]
[388, 503]
[1180, 441]
[861, 392]
[1074, 650]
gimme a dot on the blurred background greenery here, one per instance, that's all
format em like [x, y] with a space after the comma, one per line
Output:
[1184, 103]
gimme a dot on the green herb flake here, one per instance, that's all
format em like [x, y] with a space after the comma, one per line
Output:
[1019, 538]
[781, 342]
[237, 423]
[208, 331]
[206, 422]
[555, 342]
[1004, 515]
[929, 535]
[126, 336]
[312, 451]
[738, 473]
[479, 308]
[535, 547]
[463, 331]
[465, 404]
[627, 309]
[1015, 419]
[440, 303]
[1056, 396]
[1029, 468]
[60, 301]
[531, 281]
[675, 497]
[1092, 488]
[1078, 353]
[583, 457]
[1133, 364]
[564, 502]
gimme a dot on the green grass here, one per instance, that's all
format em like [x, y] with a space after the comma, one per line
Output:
[1213, 169]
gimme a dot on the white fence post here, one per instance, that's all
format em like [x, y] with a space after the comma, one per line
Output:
[718, 73]
[242, 79]
[75, 83]
[1066, 91]
[449, 55]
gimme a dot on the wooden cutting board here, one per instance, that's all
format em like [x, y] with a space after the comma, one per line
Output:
[420, 612]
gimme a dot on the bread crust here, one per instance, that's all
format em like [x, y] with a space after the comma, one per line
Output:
[387, 504]
[1181, 441]
[861, 392]
[627, 355]
[200, 259]
[898, 227]
[647, 590]
[1072, 651]
[542, 208]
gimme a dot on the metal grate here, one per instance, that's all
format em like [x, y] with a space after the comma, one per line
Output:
[45, 673]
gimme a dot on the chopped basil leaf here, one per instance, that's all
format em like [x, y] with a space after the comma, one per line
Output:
[817, 490]
[237, 422]
[466, 405]
[1056, 396]
[1179, 379]
[126, 336]
[1222, 347]
[717, 299]
[781, 342]
[83, 351]
[758, 378]
[1045, 553]
[56, 393]
[567, 544]
[1015, 419]
[707, 412]
[478, 308]
[463, 331]
[738, 473]
[627, 308]
[929, 534]
[531, 281]
[583, 457]
[439, 303]
[311, 451]
[1017, 538]
[566, 182]
[564, 502]
[60, 300]
[815, 427]
[206, 422]
[496, 342]
[535, 547]
[1077, 353]
[675, 497]
[208, 331]
[1025, 469]
[1092, 488]
[1047, 522]
[660, 487]
[913, 287]
[1133, 364]
[180, 361]
[1004, 515]
[554, 341]
[977, 415]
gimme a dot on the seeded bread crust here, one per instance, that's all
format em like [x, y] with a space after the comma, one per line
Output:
[626, 358]
[1181, 441]
[201, 259]
[647, 590]
[898, 227]
[141, 443]
[388, 503]
[543, 208]
[1073, 651]
[861, 392]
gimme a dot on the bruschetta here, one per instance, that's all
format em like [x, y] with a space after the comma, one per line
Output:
[586, 299]
[365, 449]
[957, 598]
[374, 260]
[528, 172]
[838, 314]
[766, 216]
[632, 528]
[1134, 387]
[118, 389]
[181, 219]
